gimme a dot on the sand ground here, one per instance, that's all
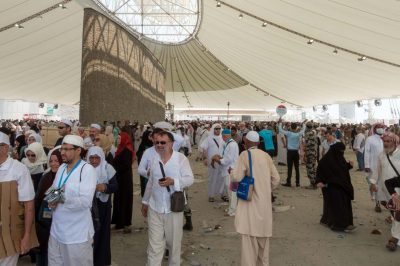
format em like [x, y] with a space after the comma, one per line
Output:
[298, 238]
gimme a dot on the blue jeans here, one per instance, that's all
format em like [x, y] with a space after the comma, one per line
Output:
[360, 160]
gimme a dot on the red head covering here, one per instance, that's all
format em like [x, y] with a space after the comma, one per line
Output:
[125, 143]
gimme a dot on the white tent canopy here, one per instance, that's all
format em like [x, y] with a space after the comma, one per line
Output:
[230, 59]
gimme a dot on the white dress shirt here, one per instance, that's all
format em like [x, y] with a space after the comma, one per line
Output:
[230, 155]
[359, 142]
[157, 197]
[72, 220]
[147, 158]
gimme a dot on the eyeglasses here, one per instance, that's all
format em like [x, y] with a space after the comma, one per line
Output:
[67, 149]
[161, 142]
[217, 128]
[61, 127]
[30, 155]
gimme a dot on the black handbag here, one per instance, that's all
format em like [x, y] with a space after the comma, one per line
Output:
[177, 198]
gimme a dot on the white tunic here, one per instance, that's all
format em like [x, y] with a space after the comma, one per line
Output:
[373, 147]
[147, 158]
[282, 151]
[13, 170]
[230, 155]
[384, 172]
[359, 142]
[213, 145]
[157, 197]
[72, 220]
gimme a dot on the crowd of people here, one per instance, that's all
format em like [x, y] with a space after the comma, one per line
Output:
[76, 190]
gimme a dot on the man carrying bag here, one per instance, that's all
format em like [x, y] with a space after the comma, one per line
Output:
[163, 202]
[253, 218]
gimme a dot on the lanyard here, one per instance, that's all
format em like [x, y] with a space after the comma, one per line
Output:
[62, 174]
[229, 141]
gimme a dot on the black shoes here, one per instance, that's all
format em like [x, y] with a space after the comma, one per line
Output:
[286, 185]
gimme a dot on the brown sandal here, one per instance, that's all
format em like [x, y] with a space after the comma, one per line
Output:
[392, 244]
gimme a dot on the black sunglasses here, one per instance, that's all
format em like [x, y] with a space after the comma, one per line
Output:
[161, 142]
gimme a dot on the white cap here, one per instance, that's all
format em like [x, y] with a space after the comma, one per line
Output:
[73, 140]
[97, 126]
[163, 125]
[253, 136]
[4, 138]
[67, 122]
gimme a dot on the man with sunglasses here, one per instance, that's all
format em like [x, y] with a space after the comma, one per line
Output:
[13, 171]
[169, 172]
[72, 229]
[64, 128]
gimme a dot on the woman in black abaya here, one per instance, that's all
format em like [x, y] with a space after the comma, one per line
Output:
[334, 178]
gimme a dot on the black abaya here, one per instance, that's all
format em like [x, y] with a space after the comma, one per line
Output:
[333, 171]
[123, 197]
[102, 239]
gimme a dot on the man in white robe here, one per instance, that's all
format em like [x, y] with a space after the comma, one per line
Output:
[384, 172]
[228, 159]
[211, 146]
[373, 147]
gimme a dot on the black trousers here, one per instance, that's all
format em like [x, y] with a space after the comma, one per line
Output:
[293, 158]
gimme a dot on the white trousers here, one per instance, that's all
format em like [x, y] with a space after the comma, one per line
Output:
[396, 230]
[232, 196]
[70, 254]
[9, 261]
[164, 229]
[255, 251]
[215, 182]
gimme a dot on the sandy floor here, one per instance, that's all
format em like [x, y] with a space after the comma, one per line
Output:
[298, 238]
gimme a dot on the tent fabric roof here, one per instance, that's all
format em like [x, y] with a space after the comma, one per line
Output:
[231, 59]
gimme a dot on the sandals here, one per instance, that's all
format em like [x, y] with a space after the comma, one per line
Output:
[211, 199]
[392, 244]
[225, 198]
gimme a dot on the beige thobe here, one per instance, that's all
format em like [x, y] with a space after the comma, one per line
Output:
[254, 218]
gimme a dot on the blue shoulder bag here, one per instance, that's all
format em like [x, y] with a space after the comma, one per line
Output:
[246, 185]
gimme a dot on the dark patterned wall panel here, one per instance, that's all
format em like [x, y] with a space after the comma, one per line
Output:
[121, 79]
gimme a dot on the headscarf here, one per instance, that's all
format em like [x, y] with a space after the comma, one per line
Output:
[125, 143]
[212, 135]
[37, 166]
[22, 143]
[105, 143]
[47, 181]
[104, 171]
[109, 133]
[334, 169]
[37, 137]
[373, 127]
[393, 137]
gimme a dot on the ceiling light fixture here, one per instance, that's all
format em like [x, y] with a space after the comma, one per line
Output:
[264, 24]
[62, 6]
[335, 51]
[362, 58]
[218, 4]
[19, 26]
[240, 16]
[310, 41]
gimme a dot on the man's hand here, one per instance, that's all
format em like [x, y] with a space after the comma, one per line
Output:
[373, 188]
[25, 244]
[167, 182]
[101, 187]
[53, 206]
[145, 208]
[320, 185]
[367, 170]
[351, 163]
[205, 162]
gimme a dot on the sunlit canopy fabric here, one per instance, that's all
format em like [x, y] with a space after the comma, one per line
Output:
[230, 59]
